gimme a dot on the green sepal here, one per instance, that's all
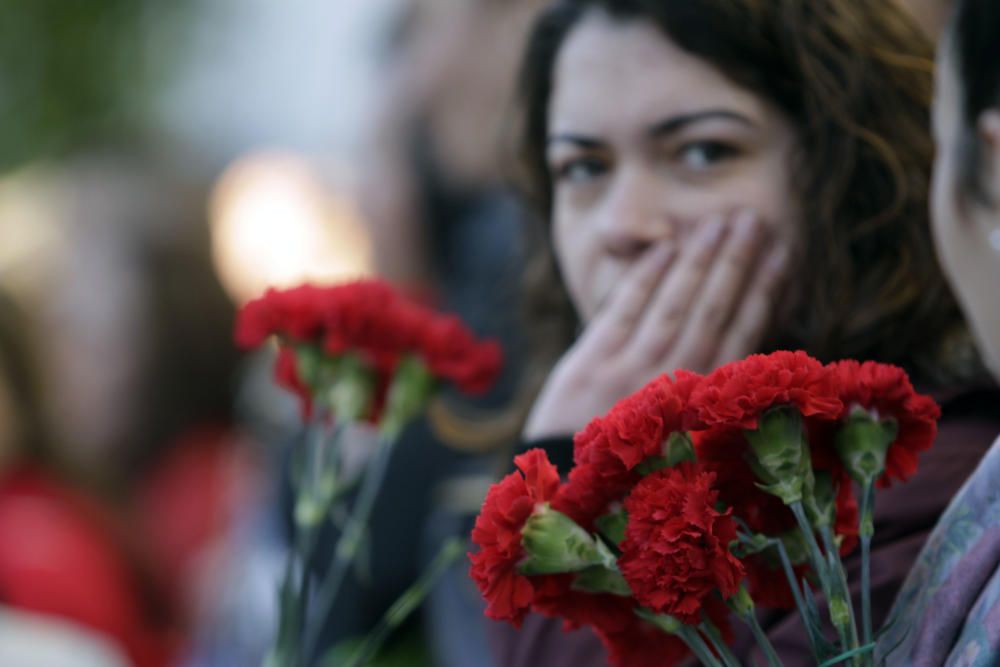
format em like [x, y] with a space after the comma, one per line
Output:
[351, 389]
[412, 388]
[780, 454]
[600, 579]
[820, 499]
[741, 602]
[677, 448]
[612, 526]
[863, 442]
[554, 543]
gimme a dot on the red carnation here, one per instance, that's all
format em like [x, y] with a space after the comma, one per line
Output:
[638, 426]
[725, 452]
[297, 314]
[632, 642]
[372, 320]
[738, 393]
[885, 391]
[497, 532]
[639, 644]
[610, 448]
[676, 548]
[555, 597]
[452, 352]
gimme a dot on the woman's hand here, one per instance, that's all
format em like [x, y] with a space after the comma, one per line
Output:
[696, 309]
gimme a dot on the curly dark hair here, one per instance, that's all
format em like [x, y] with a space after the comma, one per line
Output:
[855, 78]
[974, 48]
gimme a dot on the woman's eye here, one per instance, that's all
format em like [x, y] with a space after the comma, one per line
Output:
[705, 154]
[580, 170]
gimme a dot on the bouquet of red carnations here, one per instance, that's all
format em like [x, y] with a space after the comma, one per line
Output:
[354, 353]
[697, 500]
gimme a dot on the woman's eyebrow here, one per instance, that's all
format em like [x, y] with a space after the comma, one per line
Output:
[581, 140]
[675, 124]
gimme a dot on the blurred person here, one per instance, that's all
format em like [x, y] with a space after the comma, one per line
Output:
[930, 14]
[139, 371]
[949, 608]
[63, 553]
[446, 228]
[725, 178]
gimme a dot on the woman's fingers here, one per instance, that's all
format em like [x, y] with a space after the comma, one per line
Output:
[613, 326]
[721, 294]
[743, 335]
[668, 310]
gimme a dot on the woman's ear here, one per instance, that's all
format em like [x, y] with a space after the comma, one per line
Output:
[988, 128]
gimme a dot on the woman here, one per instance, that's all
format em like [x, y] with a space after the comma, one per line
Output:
[949, 608]
[724, 177]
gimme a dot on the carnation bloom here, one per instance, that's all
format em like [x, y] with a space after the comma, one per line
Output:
[497, 533]
[632, 642]
[676, 549]
[372, 320]
[608, 451]
[739, 393]
[639, 644]
[885, 392]
[724, 451]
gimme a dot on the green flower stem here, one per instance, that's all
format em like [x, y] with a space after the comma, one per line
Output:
[690, 636]
[800, 604]
[821, 567]
[311, 500]
[815, 555]
[839, 578]
[407, 603]
[281, 653]
[349, 542]
[686, 633]
[866, 529]
[708, 628]
[843, 657]
[762, 640]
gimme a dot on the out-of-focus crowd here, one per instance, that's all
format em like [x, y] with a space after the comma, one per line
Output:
[144, 510]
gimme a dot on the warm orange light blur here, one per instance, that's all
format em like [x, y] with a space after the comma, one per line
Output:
[275, 223]
[30, 231]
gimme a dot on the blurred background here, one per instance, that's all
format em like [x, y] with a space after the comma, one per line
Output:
[160, 164]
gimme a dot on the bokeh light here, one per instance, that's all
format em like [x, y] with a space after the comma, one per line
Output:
[276, 223]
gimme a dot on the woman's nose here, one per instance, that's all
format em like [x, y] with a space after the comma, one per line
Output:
[634, 216]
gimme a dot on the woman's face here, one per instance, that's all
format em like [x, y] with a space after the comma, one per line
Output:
[645, 142]
[968, 238]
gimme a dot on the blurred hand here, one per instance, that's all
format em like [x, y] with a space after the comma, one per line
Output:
[696, 309]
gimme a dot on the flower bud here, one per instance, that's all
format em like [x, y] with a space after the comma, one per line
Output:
[741, 602]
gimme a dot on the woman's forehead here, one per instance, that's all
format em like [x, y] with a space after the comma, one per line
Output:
[627, 74]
